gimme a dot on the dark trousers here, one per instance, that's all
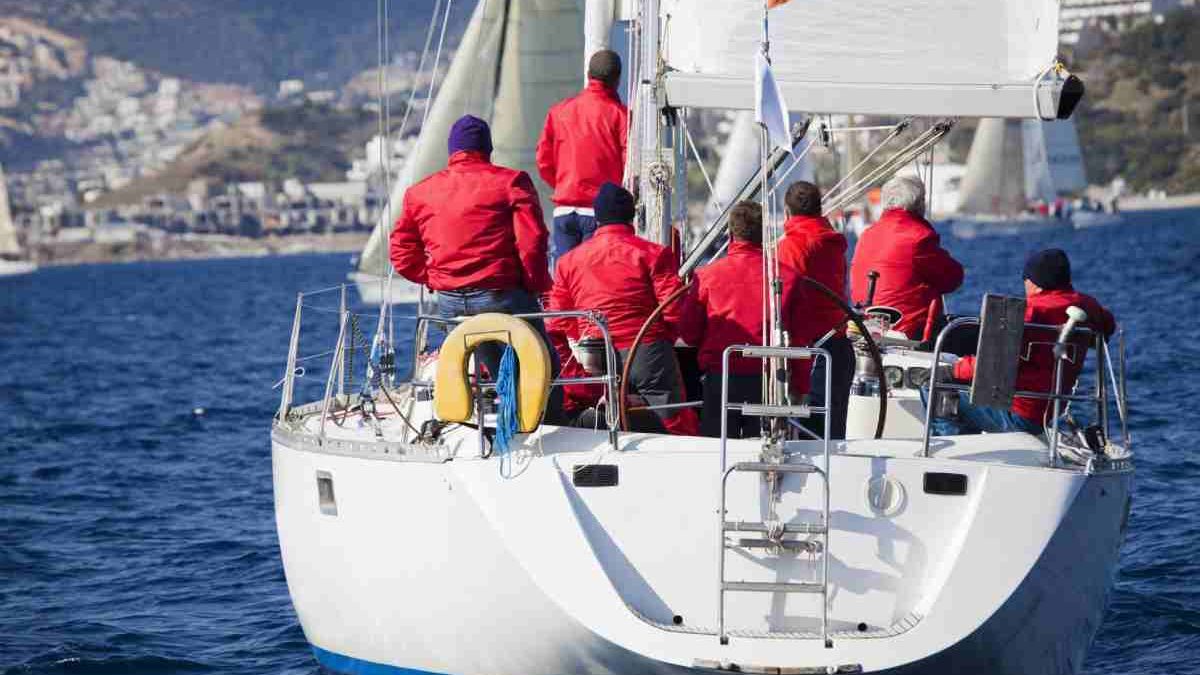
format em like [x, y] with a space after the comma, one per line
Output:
[841, 352]
[451, 304]
[742, 389]
[655, 377]
[567, 232]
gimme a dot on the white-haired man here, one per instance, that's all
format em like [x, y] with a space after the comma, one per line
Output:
[903, 248]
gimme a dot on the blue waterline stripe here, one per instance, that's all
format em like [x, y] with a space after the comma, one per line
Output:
[348, 665]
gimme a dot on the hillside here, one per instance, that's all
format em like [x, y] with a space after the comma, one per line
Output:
[1140, 118]
[254, 43]
[308, 142]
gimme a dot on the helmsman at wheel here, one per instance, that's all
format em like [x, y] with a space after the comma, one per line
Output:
[903, 248]
[813, 249]
[626, 277]
[474, 233]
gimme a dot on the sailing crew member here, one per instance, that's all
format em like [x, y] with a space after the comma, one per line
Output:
[474, 233]
[812, 248]
[727, 309]
[1048, 294]
[903, 248]
[626, 277]
[583, 147]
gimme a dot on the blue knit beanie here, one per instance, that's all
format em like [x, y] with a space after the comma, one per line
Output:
[614, 204]
[470, 133]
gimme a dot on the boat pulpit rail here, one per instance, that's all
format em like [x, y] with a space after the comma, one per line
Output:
[1109, 385]
[355, 348]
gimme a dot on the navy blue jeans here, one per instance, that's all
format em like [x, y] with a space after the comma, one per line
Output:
[567, 232]
[973, 419]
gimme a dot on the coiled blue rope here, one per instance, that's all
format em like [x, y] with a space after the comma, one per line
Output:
[506, 389]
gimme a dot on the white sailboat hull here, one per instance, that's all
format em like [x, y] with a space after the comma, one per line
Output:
[12, 268]
[1085, 219]
[372, 289]
[972, 226]
[503, 566]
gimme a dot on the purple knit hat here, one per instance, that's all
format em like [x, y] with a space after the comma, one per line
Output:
[470, 133]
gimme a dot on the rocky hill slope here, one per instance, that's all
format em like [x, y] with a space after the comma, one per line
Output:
[253, 43]
[1140, 118]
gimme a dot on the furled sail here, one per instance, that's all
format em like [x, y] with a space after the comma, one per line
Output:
[994, 182]
[919, 57]
[9, 246]
[515, 60]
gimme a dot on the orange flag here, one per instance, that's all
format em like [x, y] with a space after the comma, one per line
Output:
[772, 4]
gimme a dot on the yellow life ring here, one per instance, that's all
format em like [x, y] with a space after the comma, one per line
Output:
[452, 400]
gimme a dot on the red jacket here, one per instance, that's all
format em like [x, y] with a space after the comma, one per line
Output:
[726, 308]
[472, 225]
[1036, 369]
[623, 276]
[914, 269]
[812, 248]
[583, 145]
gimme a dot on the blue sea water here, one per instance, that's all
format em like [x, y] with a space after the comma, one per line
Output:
[136, 525]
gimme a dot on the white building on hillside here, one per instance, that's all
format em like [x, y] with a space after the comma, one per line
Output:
[1075, 15]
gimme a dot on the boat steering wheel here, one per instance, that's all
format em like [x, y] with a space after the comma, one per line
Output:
[851, 316]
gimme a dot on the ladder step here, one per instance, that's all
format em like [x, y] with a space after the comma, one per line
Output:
[786, 544]
[773, 587]
[790, 528]
[759, 352]
[760, 410]
[764, 467]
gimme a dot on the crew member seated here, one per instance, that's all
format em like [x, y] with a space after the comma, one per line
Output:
[812, 248]
[903, 248]
[581, 148]
[1048, 294]
[474, 233]
[625, 278]
[726, 309]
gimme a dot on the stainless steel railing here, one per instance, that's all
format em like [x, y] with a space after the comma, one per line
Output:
[1100, 396]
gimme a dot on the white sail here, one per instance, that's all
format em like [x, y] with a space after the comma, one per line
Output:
[539, 67]
[516, 59]
[920, 57]
[740, 160]
[9, 246]
[1053, 161]
[468, 87]
[994, 182]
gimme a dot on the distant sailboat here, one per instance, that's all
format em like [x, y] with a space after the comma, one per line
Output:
[12, 258]
[1015, 163]
[516, 59]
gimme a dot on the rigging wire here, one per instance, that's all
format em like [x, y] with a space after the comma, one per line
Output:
[712, 191]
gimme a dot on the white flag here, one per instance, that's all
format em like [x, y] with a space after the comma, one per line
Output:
[770, 110]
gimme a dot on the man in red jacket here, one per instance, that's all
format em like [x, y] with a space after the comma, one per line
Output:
[812, 248]
[474, 233]
[1048, 294]
[625, 277]
[583, 147]
[727, 309]
[914, 270]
